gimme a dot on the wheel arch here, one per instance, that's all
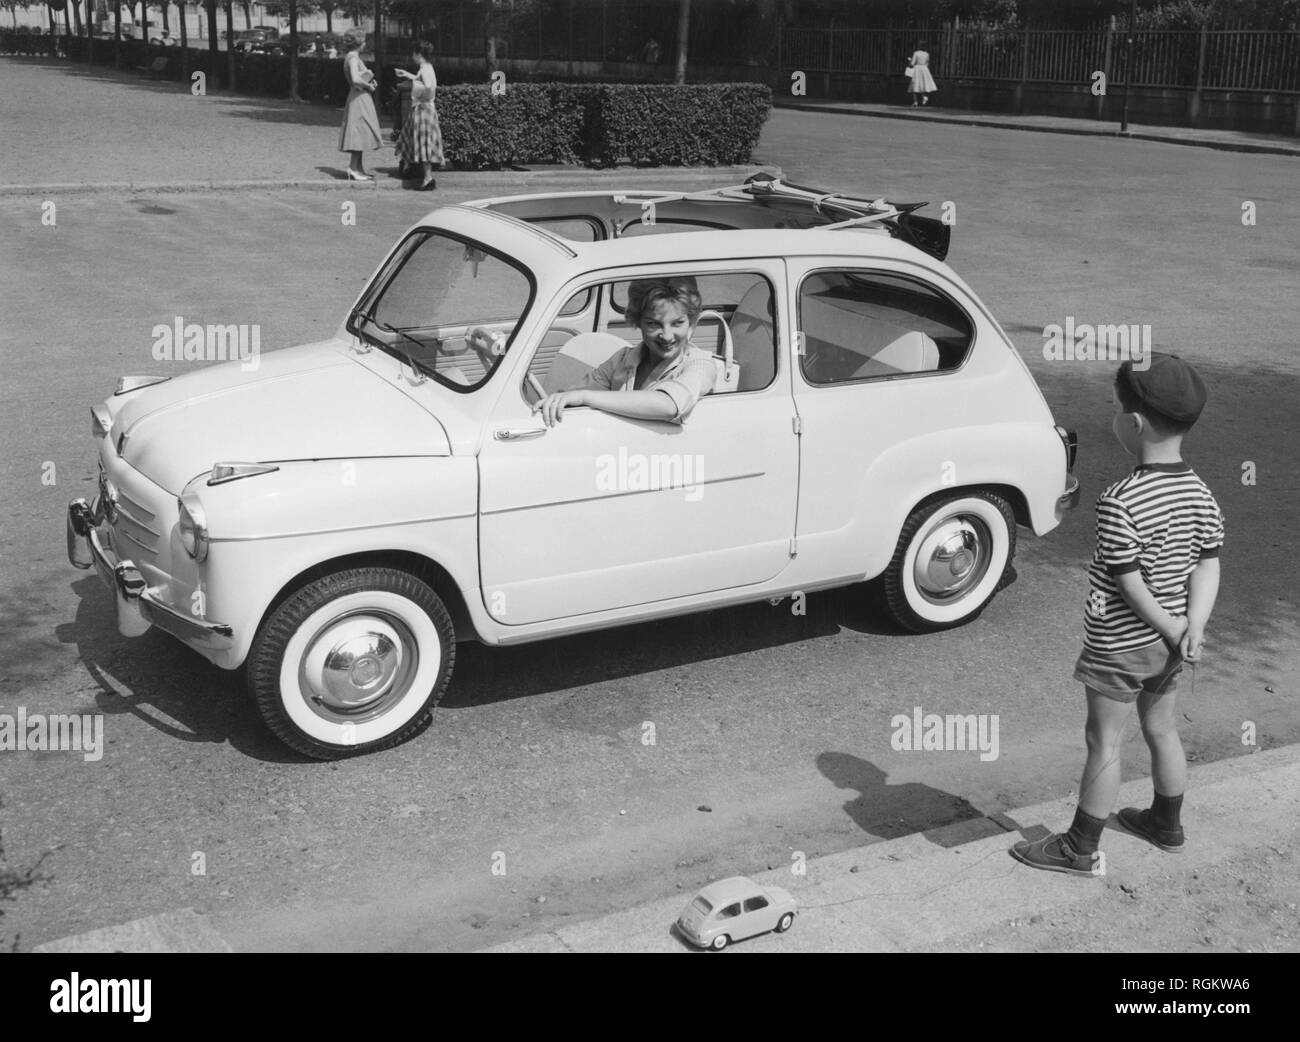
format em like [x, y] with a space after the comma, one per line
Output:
[1014, 496]
[426, 569]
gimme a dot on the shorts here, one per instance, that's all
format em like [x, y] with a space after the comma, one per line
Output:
[1123, 675]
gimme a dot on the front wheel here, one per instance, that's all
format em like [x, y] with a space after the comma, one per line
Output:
[785, 923]
[952, 556]
[352, 663]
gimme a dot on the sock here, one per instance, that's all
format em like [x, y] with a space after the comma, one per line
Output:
[1085, 833]
[1165, 810]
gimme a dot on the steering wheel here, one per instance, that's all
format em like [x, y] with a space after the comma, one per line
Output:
[488, 344]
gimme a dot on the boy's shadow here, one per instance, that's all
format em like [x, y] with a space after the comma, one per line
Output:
[889, 811]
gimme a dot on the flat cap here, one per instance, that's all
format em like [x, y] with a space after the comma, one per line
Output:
[1169, 387]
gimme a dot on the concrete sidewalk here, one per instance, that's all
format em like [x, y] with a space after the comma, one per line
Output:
[948, 889]
[1224, 140]
[926, 890]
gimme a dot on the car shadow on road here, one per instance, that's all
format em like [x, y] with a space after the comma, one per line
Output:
[164, 684]
[890, 811]
[485, 676]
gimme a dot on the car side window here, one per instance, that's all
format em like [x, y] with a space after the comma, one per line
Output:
[865, 325]
[730, 912]
[754, 904]
[739, 308]
[578, 229]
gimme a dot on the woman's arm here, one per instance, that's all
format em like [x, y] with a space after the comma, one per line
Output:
[637, 405]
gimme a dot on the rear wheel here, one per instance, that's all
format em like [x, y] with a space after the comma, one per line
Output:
[720, 942]
[952, 556]
[352, 663]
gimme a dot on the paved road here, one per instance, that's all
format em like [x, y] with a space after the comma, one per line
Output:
[779, 724]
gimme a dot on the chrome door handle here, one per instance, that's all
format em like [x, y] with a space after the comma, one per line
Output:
[517, 433]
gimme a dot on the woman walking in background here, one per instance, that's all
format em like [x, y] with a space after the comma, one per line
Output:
[360, 121]
[421, 138]
[918, 69]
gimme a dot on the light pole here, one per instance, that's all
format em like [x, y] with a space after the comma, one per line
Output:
[1128, 67]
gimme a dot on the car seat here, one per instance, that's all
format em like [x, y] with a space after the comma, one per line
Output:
[753, 334]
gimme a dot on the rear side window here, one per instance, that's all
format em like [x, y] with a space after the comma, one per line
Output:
[865, 325]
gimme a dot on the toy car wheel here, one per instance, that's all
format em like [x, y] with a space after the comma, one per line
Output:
[720, 942]
[786, 921]
[352, 663]
[953, 555]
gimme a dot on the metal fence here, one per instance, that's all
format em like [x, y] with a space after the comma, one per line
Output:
[1232, 59]
[615, 31]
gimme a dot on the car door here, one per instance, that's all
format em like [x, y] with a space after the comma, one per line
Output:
[755, 917]
[879, 349]
[602, 513]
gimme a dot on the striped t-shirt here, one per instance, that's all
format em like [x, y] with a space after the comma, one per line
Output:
[1160, 520]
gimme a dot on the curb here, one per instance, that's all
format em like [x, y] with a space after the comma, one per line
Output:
[903, 894]
[582, 177]
[920, 890]
[1002, 124]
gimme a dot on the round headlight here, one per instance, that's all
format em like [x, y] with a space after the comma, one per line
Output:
[193, 526]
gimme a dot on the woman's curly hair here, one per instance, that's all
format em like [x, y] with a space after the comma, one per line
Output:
[681, 290]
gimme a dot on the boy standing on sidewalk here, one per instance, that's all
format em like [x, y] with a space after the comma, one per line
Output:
[1153, 580]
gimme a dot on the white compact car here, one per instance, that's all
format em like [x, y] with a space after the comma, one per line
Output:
[340, 517]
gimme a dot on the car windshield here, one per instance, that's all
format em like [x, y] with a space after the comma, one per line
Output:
[446, 306]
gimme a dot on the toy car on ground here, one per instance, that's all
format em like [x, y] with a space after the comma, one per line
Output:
[338, 515]
[734, 909]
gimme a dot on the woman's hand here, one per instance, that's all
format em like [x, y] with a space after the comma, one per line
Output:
[553, 405]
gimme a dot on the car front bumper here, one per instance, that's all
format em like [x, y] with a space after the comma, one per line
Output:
[138, 605]
[1069, 499]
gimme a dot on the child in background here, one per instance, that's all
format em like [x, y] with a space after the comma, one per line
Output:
[1154, 579]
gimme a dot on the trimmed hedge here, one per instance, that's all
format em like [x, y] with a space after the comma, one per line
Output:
[529, 123]
[707, 123]
[606, 124]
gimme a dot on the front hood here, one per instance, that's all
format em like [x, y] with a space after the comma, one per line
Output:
[304, 403]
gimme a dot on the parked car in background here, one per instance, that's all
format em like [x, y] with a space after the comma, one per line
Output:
[337, 516]
[262, 38]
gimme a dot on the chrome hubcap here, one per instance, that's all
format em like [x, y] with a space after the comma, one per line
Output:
[357, 666]
[953, 558]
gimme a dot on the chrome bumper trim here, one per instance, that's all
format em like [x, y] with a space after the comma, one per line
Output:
[1069, 499]
[138, 606]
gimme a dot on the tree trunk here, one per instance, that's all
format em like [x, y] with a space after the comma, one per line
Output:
[230, 49]
[293, 51]
[214, 55]
[76, 15]
[490, 41]
[329, 19]
[683, 32]
[167, 20]
[117, 36]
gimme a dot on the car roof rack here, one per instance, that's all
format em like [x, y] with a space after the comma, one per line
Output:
[843, 211]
